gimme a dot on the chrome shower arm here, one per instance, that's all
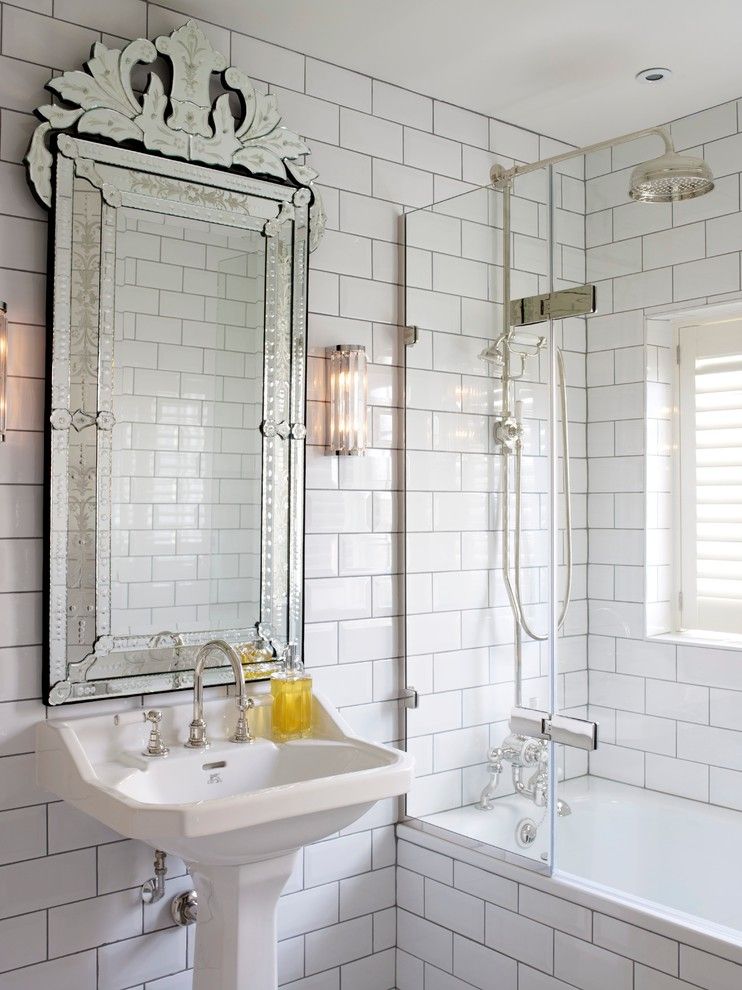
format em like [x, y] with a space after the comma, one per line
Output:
[500, 176]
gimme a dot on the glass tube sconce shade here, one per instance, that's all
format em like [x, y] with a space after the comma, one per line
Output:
[3, 369]
[348, 395]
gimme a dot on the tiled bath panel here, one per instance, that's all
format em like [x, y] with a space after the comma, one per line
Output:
[71, 914]
[465, 920]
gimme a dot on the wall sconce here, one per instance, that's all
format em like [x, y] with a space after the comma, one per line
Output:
[3, 368]
[348, 386]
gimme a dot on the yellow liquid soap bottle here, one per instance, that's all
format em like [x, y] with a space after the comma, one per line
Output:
[292, 698]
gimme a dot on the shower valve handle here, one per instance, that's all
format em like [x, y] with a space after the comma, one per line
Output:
[508, 432]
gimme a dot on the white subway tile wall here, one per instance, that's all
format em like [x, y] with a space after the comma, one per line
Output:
[669, 708]
[467, 920]
[73, 917]
[669, 714]
[380, 150]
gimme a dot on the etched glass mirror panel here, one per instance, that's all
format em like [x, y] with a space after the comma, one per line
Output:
[176, 440]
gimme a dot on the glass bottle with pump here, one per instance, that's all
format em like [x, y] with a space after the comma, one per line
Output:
[292, 698]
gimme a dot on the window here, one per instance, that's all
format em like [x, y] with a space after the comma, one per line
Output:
[709, 444]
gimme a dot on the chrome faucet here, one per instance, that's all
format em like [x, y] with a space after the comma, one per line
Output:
[197, 738]
[522, 753]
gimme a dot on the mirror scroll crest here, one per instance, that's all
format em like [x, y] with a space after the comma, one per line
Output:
[180, 121]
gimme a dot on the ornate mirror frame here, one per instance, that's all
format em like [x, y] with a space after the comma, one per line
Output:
[178, 150]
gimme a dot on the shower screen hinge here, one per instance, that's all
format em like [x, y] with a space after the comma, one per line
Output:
[677, 354]
[411, 336]
[411, 697]
[580, 733]
[579, 301]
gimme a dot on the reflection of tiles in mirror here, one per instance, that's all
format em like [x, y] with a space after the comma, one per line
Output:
[188, 365]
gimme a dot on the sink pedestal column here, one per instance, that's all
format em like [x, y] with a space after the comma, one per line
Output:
[236, 929]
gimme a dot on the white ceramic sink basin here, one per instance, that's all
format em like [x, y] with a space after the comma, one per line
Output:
[253, 773]
[236, 813]
[230, 803]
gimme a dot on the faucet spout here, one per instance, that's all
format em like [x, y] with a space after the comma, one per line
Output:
[197, 738]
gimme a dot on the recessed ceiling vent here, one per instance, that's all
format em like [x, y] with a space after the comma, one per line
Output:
[653, 75]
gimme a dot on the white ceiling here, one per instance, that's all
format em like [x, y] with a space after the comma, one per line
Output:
[561, 68]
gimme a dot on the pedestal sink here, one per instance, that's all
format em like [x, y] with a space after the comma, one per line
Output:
[236, 814]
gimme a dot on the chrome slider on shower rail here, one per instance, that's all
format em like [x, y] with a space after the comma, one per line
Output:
[565, 729]
[578, 301]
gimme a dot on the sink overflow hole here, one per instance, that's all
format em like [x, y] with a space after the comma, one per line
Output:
[218, 765]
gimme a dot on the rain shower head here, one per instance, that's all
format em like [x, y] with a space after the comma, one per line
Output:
[670, 178]
[667, 179]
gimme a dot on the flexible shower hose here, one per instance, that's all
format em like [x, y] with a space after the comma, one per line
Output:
[514, 592]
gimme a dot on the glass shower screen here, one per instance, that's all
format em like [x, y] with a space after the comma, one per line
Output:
[487, 544]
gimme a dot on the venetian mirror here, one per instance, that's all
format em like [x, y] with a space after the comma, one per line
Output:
[182, 216]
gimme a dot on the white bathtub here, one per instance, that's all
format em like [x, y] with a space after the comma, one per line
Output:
[680, 858]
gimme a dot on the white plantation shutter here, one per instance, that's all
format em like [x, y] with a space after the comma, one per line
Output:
[710, 364]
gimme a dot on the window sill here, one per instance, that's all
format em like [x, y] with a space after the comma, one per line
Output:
[718, 642]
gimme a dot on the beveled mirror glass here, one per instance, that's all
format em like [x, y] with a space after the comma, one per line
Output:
[182, 219]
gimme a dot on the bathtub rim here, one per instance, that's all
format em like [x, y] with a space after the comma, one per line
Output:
[682, 928]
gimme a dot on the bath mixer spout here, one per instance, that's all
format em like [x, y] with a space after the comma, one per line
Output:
[522, 753]
[494, 769]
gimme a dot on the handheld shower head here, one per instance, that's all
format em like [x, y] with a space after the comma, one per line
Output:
[519, 344]
[524, 343]
[493, 353]
[670, 178]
